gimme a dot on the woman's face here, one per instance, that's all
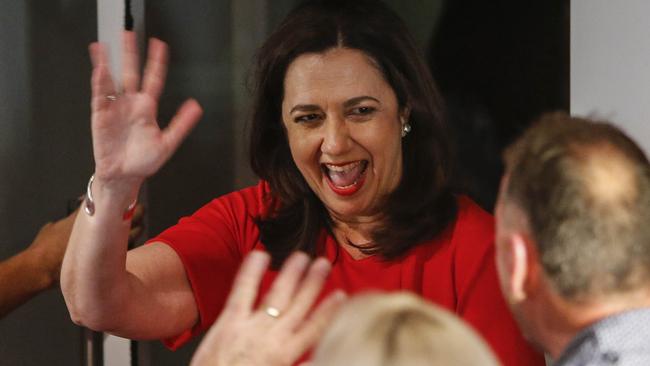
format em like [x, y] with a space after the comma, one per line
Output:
[343, 124]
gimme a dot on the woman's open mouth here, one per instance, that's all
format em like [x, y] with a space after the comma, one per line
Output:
[345, 179]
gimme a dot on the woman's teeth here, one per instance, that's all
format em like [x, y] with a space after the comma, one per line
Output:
[344, 176]
[343, 168]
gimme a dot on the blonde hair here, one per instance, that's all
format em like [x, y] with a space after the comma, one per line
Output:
[399, 329]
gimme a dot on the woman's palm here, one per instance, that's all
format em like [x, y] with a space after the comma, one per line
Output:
[127, 141]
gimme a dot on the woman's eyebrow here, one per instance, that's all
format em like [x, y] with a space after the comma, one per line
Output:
[304, 108]
[357, 100]
[348, 103]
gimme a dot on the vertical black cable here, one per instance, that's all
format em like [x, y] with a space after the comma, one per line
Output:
[128, 16]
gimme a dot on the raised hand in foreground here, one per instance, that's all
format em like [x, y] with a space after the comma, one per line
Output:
[279, 331]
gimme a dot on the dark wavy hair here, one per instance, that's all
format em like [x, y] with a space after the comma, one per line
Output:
[423, 204]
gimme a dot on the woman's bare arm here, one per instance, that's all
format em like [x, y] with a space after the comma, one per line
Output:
[143, 293]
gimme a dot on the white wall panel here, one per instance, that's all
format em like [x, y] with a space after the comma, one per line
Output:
[610, 63]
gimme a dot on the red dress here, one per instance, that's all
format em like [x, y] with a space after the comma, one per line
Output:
[456, 270]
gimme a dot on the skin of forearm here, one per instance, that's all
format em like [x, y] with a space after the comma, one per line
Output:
[21, 278]
[94, 279]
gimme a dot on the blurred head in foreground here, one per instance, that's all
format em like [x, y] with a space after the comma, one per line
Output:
[399, 329]
[573, 229]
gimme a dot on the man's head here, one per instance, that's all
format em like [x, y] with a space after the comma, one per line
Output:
[573, 217]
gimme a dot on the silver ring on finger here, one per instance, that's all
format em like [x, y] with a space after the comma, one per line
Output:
[111, 97]
[272, 312]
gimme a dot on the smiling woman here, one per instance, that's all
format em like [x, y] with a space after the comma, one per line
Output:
[348, 141]
[348, 145]
[348, 87]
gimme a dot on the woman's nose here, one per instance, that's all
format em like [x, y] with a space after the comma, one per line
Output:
[336, 137]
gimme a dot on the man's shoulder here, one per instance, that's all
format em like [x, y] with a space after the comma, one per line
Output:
[622, 339]
[625, 337]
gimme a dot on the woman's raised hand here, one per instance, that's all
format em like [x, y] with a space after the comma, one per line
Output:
[283, 328]
[128, 143]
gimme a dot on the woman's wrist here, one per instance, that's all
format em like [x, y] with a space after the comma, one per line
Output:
[112, 194]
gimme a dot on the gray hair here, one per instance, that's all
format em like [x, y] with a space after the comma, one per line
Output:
[585, 189]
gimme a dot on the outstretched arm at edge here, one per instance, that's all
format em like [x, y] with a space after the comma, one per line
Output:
[143, 293]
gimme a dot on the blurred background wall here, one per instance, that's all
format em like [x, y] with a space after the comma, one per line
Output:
[44, 155]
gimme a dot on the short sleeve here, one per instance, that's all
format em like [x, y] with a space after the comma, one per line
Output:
[480, 301]
[211, 244]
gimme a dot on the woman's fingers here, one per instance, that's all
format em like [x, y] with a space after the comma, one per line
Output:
[102, 86]
[101, 81]
[308, 292]
[246, 285]
[155, 71]
[314, 327]
[236, 334]
[285, 285]
[97, 53]
[181, 124]
[130, 64]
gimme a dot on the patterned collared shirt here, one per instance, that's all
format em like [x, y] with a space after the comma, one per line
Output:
[621, 340]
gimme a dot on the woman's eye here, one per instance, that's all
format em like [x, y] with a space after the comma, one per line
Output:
[307, 118]
[363, 110]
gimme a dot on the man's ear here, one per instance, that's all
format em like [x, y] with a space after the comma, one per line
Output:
[521, 257]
